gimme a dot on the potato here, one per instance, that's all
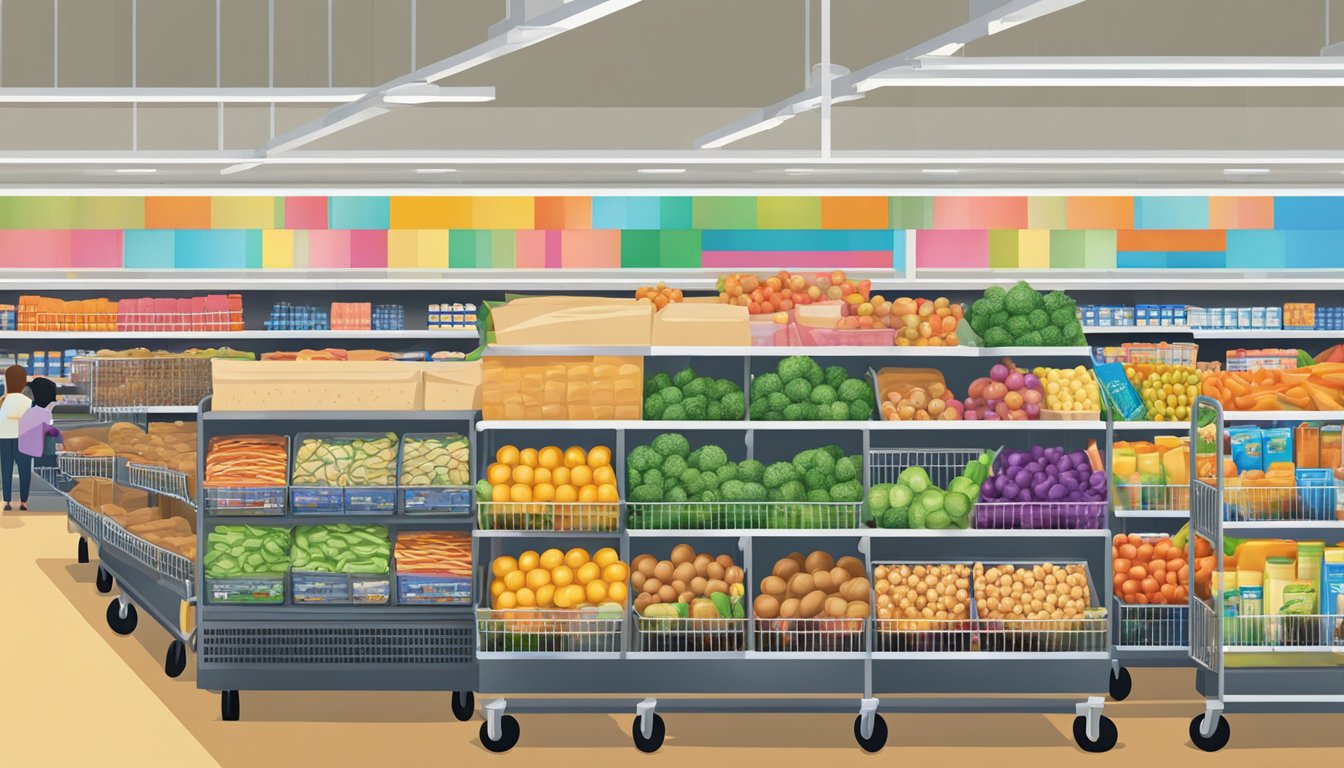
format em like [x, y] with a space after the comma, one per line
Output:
[839, 576]
[699, 583]
[734, 575]
[786, 568]
[789, 608]
[701, 564]
[644, 564]
[716, 586]
[857, 610]
[725, 561]
[818, 561]
[801, 584]
[715, 571]
[835, 607]
[765, 607]
[652, 585]
[667, 594]
[852, 564]
[773, 585]
[682, 553]
[811, 604]
[919, 597]
[822, 580]
[684, 572]
[685, 597]
[637, 580]
[798, 558]
[855, 589]
[663, 571]
[680, 586]
[642, 601]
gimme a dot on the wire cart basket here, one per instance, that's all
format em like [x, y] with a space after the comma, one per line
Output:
[1256, 662]
[74, 465]
[161, 481]
[129, 385]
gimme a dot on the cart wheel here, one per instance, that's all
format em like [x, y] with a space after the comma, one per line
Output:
[82, 551]
[104, 581]
[176, 659]
[1107, 735]
[875, 742]
[1121, 685]
[229, 706]
[508, 734]
[464, 705]
[122, 625]
[655, 739]
[1217, 741]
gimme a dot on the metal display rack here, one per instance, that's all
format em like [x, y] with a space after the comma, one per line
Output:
[596, 663]
[286, 646]
[1257, 663]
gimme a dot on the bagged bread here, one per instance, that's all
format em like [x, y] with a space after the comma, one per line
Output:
[142, 515]
[112, 510]
[163, 527]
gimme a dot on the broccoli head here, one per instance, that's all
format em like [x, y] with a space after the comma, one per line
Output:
[759, 407]
[675, 495]
[895, 517]
[1022, 298]
[709, 495]
[819, 495]
[697, 407]
[714, 411]
[1063, 317]
[979, 324]
[693, 461]
[994, 337]
[684, 377]
[795, 367]
[1058, 300]
[753, 492]
[814, 373]
[654, 406]
[834, 451]
[697, 386]
[671, 396]
[1075, 338]
[657, 383]
[824, 460]
[1017, 326]
[848, 468]
[673, 466]
[654, 477]
[671, 444]
[777, 402]
[674, 413]
[632, 477]
[835, 375]
[994, 299]
[726, 472]
[643, 458]
[750, 471]
[802, 460]
[792, 491]
[851, 390]
[691, 481]
[979, 308]
[1039, 319]
[1051, 337]
[860, 410]
[778, 474]
[733, 490]
[815, 479]
[798, 390]
[734, 406]
[721, 388]
[764, 385]
[773, 494]
[711, 458]
[999, 319]
[836, 411]
[646, 494]
[823, 394]
[794, 411]
[1031, 339]
[850, 490]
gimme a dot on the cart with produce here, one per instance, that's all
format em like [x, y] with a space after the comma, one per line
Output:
[1272, 644]
[314, 578]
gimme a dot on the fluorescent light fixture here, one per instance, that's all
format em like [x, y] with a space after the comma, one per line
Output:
[1245, 170]
[947, 171]
[436, 170]
[238, 168]
[749, 127]
[946, 50]
[1300, 64]
[137, 170]
[661, 170]
[1030, 13]
[424, 93]
[181, 95]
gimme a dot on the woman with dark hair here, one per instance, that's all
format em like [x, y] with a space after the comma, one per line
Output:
[12, 407]
[37, 435]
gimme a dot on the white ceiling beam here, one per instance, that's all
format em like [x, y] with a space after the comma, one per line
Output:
[539, 20]
[1094, 72]
[422, 94]
[991, 16]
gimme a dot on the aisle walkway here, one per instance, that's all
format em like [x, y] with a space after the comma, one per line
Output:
[74, 693]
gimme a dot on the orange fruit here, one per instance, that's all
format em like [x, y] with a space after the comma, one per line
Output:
[608, 493]
[580, 475]
[595, 591]
[576, 557]
[503, 566]
[520, 492]
[600, 456]
[514, 581]
[617, 592]
[528, 560]
[543, 492]
[605, 556]
[560, 476]
[550, 457]
[552, 558]
[546, 596]
[522, 474]
[566, 494]
[575, 594]
[575, 456]
[604, 475]
[588, 494]
[507, 455]
[562, 576]
[499, 493]
[538, 578]
[587, 572]
[498, 473]
[541, 475]
[526, 598]
[506, 601]
[616, 572]
[528, 456]
[496, 587]
[564, 598]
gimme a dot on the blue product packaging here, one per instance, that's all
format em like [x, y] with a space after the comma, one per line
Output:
[1316, 491]
[1248, 451]
[1278, 445]
[1089, 319]
[1123, 397]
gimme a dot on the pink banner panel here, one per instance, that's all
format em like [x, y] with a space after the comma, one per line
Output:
[554, 248]
[952, 248]
[95, 248]
[328, 249]
[20, 248]
[368, 248]
[795, 259]
[305, 213]
[590, 249]
[529, 249]
[980, 213]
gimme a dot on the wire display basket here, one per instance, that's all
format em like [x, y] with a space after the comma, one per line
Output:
[706, 515]
[537, 631]
[74, 465]
[548, 516]
[129, 384]
[1048, 598]
[665, 635]
[1039, 515]
[1299, 631]
[83, 517]
[910, 620]
[1279, 504]
[168, 564]
[246, 501]
[1079, 635]
[815, 635]
[943, 465]
[1152, 627]
[160, 480]
[1151, 498]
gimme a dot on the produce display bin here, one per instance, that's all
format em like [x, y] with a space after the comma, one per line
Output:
[255, 589]
[433, 589]
[322, 497]
[432, 498]
[1152, 627]
[134, 384]
[263, 500]
[321, 588]
[1039, 515]
[1280, 504]
[1151, 498]
[588, 632]
[772, 334]
[697, 636]
[548, 516]
[735, 515]
[161, 481]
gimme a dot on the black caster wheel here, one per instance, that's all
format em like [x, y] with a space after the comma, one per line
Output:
[82, 551]
[877, 740]
[104, 581]
[508, 734]
[1217, 741]
[176, 659]
[464, 705]
[1107, 735]
[228, 705]
[1121, 685]
[655, 739]
[122, 625]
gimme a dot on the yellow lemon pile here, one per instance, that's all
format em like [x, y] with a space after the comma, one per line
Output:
[555, 579]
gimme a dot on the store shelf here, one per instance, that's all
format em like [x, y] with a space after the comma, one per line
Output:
[339, 415]
[1283, 416]
[1135, 330]
[225, 335]
[342, 613]
[755, 533]
[1064, 425]
[1265, 333]
[535, 534]
[1154, 514]
[838, 351]
[292, 520]
[1281, 525]
[816, 426]
[986, 533]
[1169, 427]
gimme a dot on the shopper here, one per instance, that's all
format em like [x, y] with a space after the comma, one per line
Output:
[37, 434]
[12, 407]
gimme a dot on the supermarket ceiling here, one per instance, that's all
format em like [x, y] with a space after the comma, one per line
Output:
[598, 92]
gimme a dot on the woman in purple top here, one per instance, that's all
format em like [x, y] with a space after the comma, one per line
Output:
[37, 435]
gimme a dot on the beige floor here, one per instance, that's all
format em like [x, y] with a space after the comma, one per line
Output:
[73, 693]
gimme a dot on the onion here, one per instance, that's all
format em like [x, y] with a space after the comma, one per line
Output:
[1033, 410]
[1080, 459]
[991, 416]
[1069, 482]
[1052, 470]
[1032, 396]
[999, 372]
[1010, 491]
[1030, 381]
[1057, 492]
[1037, 451]
[1022, 477]
[977, 387]
[1014, 459]
[996, 390]
[1014, 380]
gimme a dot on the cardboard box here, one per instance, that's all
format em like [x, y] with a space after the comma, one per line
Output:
[92, 492]
[452, 386]
[317, 385]
[129, 498]
[701, 324]
[573, 320]
[598, 387]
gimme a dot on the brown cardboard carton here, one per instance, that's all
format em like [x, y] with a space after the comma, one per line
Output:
[129, 498]
[274, 385]
[701, 324]
[452, 386]
[562, 387]
[572, 320]
[93, 492]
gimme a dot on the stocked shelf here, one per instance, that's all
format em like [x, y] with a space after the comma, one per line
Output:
[226, 335]
[794, 426]
[866, 352]
[1283, 416]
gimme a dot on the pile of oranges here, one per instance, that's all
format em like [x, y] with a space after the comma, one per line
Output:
[555, 579]
[552, 475]
[918, 322]
[784, 291]
[659, 295]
